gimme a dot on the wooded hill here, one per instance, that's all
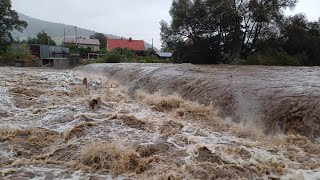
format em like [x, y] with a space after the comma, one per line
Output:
[54, 30]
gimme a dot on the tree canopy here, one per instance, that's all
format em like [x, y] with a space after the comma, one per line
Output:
[9, 21]
[102, 39]
[42, 38]
[302, 39]
[224, 31]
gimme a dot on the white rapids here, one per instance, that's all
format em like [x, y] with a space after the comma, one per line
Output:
[53, 127]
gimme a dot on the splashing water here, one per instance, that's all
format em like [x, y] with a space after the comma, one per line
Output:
[49, 129]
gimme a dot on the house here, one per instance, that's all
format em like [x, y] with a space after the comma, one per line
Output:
[93, 44]
[48, 52]
[54, 56]
[164, 55]
[136, 45]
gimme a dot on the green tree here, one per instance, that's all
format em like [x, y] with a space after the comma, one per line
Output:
[102, 39]
[302, 39]
[42, 38]
[218, 31]
[20, 51]
[199, 30]
[9, 21]
[260, 19]
[14, 52]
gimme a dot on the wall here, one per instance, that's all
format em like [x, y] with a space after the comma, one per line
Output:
[62, 63]
[92, 47]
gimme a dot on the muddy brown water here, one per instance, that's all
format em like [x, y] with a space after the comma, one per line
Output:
[159, 122]
[279, 98]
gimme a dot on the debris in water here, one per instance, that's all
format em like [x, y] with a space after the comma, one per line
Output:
[95, 103]
[85, 82]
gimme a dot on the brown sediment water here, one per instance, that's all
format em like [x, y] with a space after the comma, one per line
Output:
[281, 98]
[159, 122]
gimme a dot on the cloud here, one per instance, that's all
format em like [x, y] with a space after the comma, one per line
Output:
[308, 7]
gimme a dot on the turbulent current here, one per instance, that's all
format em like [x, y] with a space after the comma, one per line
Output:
[166, 122]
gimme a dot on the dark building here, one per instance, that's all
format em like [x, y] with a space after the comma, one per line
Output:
[55, 56]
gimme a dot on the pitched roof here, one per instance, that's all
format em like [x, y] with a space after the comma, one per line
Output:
[137, 45]
[164, 54]
[83, 41]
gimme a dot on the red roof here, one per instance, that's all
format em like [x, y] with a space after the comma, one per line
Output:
[137, 45]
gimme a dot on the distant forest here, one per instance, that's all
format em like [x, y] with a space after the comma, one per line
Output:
[240, 32]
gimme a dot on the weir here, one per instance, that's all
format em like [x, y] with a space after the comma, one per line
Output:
[275, 98]
[55, 125]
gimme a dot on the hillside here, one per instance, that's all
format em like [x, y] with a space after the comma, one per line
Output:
[55, 30]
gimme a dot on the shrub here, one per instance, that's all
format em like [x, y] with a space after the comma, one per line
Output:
[273, 58]
[239, 62]
[18, 52]
[21, 51]
[113, 58]
[142, 61]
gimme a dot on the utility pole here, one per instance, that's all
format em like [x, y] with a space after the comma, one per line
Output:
[152, 44]
[76, 31]
[64, 35]
[48, 43]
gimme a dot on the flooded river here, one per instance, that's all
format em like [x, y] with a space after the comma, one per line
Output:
[133, 121]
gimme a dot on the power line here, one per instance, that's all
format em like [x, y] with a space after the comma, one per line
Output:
[63, 34]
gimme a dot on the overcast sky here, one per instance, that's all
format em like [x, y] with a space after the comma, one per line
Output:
[128, 18]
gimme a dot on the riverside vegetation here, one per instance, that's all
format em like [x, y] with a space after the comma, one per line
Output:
[240, 32]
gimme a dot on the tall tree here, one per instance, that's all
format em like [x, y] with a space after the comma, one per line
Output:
[259, 19]
[9, 21]
[102, 39]
[302, 39]
[199, 28]
[217, 31]
[42, 38]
